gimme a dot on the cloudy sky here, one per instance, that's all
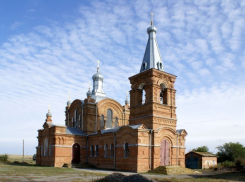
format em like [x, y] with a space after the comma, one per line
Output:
[50, 48]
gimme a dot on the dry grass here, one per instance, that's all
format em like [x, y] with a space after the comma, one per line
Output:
[214, 178]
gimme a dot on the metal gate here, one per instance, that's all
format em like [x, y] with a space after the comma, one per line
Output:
[164, 155]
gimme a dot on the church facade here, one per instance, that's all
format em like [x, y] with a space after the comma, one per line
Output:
[138, 136]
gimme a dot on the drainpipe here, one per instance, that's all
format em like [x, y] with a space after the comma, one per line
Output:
[95, 119]
[82, 117]
[150, 147]
[87, 149]
[114, 150]
[123, 119]
[177, 148]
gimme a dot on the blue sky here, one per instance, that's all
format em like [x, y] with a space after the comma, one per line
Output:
[50, 48]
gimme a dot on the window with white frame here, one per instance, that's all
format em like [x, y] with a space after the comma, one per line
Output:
[109, 118]
[96, 151]
[92, 150]
[126, 150]
[102, 121]
[106, 150]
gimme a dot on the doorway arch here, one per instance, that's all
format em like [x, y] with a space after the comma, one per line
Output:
[75, 153]
[165, 153]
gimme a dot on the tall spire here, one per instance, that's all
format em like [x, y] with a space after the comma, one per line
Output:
[152, 57]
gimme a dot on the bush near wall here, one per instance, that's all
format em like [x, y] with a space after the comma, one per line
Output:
[4, 158]
[240, 162]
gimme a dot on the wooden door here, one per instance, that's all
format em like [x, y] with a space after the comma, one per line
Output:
[164, 155]
[76, 153]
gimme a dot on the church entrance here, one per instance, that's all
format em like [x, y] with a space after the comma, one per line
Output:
[164, 155]
[75, 153]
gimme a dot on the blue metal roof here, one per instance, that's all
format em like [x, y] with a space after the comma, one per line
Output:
[152, 57]
[74, 131]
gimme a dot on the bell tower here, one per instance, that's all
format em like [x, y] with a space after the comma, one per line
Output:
[152, 95]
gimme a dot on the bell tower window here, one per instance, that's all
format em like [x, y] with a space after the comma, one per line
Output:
[163, 94]
[142, 88]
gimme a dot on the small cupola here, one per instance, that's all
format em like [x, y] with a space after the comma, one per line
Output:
[49, 116]
[97, 92]
[89, 93]
[127, 100]
[69, 101]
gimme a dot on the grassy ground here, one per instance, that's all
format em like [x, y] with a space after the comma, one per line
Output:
[225, 177]
[16, 170]
[28, 171]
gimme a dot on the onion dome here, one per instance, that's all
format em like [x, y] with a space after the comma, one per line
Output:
[151, 29]
[49, 113]
[127, 100]
[69, 101]
[98, 76]
[89, 93]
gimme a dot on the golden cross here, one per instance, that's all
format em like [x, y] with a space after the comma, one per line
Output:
[49, 108]
[98, 63]
[69, 96]
[89, 85]
[151, 18]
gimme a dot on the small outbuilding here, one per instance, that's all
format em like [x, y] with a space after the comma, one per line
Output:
[200, 160]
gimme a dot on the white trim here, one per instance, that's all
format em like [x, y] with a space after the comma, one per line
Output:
[142, 145]
[178, 147]
[153, 116]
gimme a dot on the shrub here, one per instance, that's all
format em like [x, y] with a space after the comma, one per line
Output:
[240, 162]
[226, 164]
[4, 158]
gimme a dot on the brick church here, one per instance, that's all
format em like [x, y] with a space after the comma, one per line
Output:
[138, 136]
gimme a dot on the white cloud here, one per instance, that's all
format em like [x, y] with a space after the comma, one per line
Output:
[200, 42]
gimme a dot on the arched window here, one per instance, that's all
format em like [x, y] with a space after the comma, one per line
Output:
[109, 118]
[92, 150]
[106, 150]
[126, 150]
[79, 121]
[46, 147]
[143, 96]
[163, 94]
[116, 122]
[112, 150]
[72, 120]
[76, 119]
[102, 121]
[96, 151]
[144, 65]
[142, 88]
